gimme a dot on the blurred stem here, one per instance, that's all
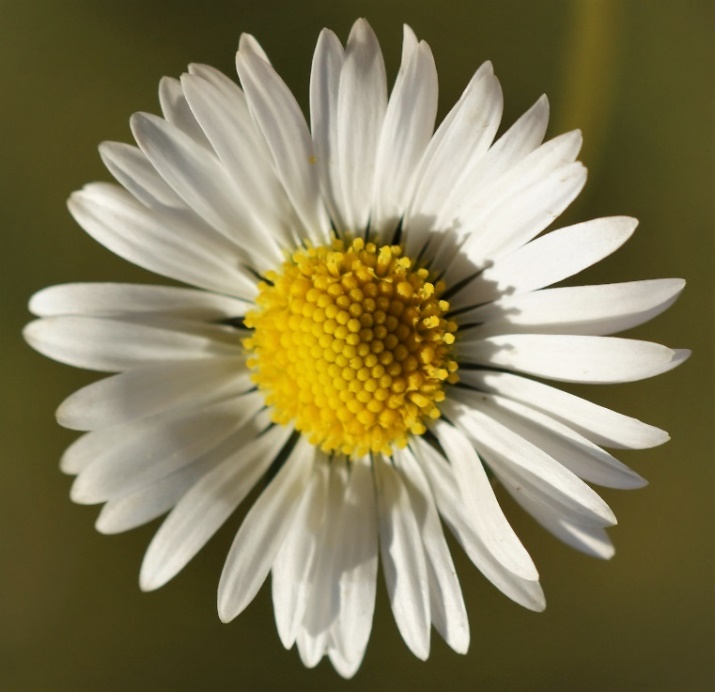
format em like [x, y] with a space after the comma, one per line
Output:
[590, 73]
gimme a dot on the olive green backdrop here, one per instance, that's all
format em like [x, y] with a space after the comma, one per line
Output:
[636, 76]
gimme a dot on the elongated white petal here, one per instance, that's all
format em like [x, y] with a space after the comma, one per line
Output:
[595, 310]
[525, 592]
[324, 88]
[403, 559]
[152, 389]
[574, 451]
[178, 112]
[144, 505]
[223, 113]
[357, 561]
[152, 500]
[447, 611]
[311, 648]
[291, 572]
[483, 510]
[587, 359]
[170, 242]
[362, 101]
[558, 153]
[250, 44]
[202, 182]
[596, 423]
[592, 540]
[406, 132]
[214, 76]
[531, 467]
[514, 222]
[262, 533]
[111, 299]
[502, 212]
[112, 345]
[119, 460]
[513, 147]
[204, 509]
[525, 135]
[279, 118]
[460, 141]
[507, 205]
[323, 605]
[132, 169]
[547, 260]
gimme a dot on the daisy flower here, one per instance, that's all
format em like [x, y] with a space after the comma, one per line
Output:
[369, 307]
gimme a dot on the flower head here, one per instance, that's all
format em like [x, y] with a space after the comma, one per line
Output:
[371, 301]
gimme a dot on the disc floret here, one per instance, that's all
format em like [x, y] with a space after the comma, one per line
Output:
[351, 343]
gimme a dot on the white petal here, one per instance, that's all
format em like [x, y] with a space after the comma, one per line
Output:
[205, 508]
[406, 132]
[357, 561]
[111, 299]
[223, 113]
[323, 606]
[513, 222]
[447, 611]
[488, 212]
[151, 501]
[202, 182]
[144, 505]
[525, 135]
[460, 141]
[525, 592]
[596, 423]
[178, 112]
[170, 242]
[278, 116]
[587, 359]
[112, 345]
[595, 310]
[484, 513]
[132, 169]
[119, 460]
[591, 540]
[249, 44]
[311, 647]
[214, 76]
[344, 667]
[262, 533]
[547, 260]
[362, 101]
[324, 88]
[291, 572]
[403, 559]
[494, 188]
[575, 452]
[536, 472]
[152, 389]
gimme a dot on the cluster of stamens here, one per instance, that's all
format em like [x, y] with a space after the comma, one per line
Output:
[352, 345]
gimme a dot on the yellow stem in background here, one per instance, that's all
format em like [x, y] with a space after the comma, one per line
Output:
[591, 73]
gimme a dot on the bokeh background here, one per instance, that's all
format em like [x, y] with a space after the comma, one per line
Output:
[636, 76]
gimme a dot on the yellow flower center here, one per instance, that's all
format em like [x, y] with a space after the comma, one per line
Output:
[351, 343]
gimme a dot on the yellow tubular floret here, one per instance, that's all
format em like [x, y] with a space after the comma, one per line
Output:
[351, 344]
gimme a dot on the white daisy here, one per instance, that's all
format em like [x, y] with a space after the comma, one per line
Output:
[371, 305]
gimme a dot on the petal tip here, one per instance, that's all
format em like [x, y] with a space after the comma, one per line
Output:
[146, 583]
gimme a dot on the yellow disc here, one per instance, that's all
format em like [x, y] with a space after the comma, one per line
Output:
[352, 345]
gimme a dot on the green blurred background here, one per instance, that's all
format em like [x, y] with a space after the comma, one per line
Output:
[637, 77]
